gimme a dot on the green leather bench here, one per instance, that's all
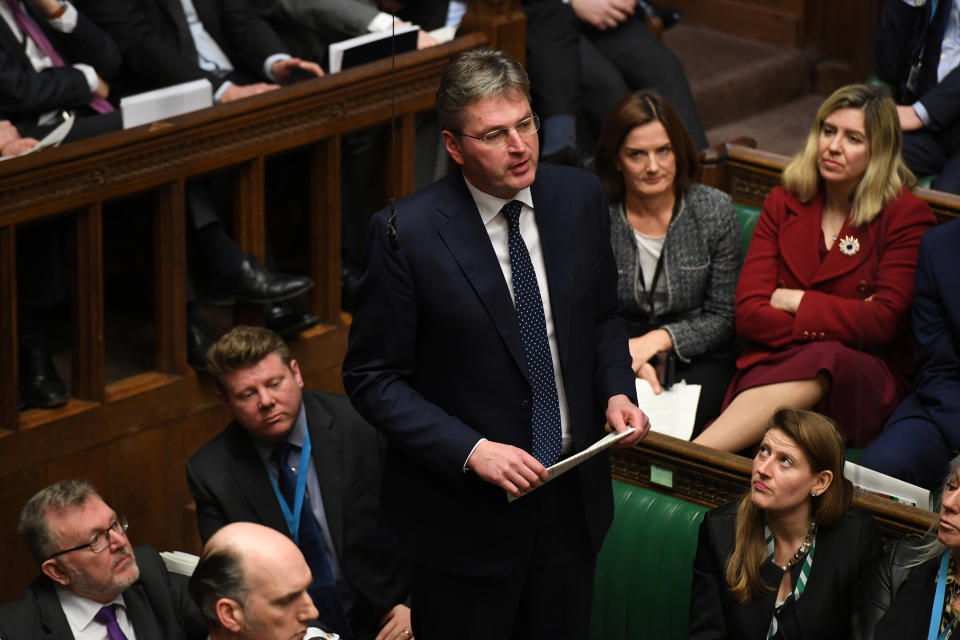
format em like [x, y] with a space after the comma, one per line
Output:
[642, 584]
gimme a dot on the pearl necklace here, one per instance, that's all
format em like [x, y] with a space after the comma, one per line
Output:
[804, 548]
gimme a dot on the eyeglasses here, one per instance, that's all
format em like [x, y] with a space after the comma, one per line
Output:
[498, 137]
[100, 541]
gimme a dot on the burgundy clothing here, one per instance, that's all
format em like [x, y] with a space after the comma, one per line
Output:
[835, 323]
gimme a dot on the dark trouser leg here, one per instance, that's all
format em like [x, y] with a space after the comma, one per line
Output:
[547, 596]
[646, 63]
[912, 448]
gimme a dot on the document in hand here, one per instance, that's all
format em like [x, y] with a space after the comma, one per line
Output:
[566, 464]
[372, 46]
[674, 411]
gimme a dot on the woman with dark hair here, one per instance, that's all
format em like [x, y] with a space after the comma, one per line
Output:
[788, 559]
[825, 293]
[915, 593]
[677, 246]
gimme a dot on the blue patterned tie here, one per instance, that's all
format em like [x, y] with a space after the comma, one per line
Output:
[323, 590]
[545, 418]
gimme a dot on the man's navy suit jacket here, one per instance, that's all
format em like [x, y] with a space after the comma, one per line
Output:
[158, 606]
[436, 362]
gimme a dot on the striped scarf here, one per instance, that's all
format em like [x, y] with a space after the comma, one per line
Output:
[801, 581]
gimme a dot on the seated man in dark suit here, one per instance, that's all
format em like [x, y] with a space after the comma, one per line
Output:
[583, 56]
[251, 583]
[167, 42]
[53, 58]
[923, 434]
[93, 583]
[917, 55]
[244, 474]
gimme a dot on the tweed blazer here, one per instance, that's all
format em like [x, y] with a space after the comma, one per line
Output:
[702, 260]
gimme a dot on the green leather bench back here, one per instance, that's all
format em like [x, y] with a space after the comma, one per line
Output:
[642, 584]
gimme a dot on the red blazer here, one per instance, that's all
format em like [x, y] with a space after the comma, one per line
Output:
[784, 253]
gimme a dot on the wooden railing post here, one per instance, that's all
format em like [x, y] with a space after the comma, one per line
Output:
[9, 372]
[89, 377]
[324, 250]
[249, 226]
[169, 279]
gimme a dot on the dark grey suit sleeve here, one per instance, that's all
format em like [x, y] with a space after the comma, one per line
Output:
[343, 16]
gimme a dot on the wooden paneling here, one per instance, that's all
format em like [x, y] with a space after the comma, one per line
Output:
[132, 437]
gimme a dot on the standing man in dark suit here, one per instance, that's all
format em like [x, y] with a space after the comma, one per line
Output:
[240, 476]
[94, 584]
[53, 58]
[918, 54]
[486, 346]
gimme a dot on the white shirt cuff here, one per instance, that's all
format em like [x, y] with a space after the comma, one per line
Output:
[68, 21]
[272, 60]
[381, 22]
[915, 3]
[922, 113]
[93, 81]
[465, 467]
[223, 88]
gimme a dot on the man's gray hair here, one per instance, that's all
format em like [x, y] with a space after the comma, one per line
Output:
[476, 74]
[219, 574]
[33, 526]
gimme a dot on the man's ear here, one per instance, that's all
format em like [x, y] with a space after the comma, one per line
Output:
[230, 614]
[52, 569]
[453, 146]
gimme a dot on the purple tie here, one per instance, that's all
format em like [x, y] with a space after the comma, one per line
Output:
[29, 27]
[106, 616]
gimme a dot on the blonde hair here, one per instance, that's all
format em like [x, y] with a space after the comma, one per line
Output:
[822, 445]
[886, 173]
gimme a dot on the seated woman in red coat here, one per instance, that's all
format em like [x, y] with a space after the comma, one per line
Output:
[825, 291]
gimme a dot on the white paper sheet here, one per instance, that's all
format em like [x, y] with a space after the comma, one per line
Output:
[167, 102]
[672, 412]
[566, 464]
[887, 487]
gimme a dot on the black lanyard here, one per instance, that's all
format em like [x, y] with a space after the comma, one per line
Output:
[648, 294]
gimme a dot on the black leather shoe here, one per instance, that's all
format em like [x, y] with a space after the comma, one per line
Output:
[197, 344]
[286, 321]
[40, 385]
[252, 282]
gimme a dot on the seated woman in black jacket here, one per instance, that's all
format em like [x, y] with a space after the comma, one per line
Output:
[915, 592]
[788, 560]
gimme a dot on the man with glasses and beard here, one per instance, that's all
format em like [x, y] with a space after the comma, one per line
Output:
[94, 584]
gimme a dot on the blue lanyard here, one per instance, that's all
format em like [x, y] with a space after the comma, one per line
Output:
[293, 519]
[937, 612]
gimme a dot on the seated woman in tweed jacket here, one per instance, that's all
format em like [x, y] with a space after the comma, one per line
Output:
[677, 246]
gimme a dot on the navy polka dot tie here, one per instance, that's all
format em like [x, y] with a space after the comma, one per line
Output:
[545, 419]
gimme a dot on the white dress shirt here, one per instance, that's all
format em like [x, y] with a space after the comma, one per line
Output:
[80, 612]
[498, 230]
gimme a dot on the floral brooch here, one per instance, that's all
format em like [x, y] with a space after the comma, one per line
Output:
[849, 246]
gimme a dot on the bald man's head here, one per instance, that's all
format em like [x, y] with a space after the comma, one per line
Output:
[251, 582]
